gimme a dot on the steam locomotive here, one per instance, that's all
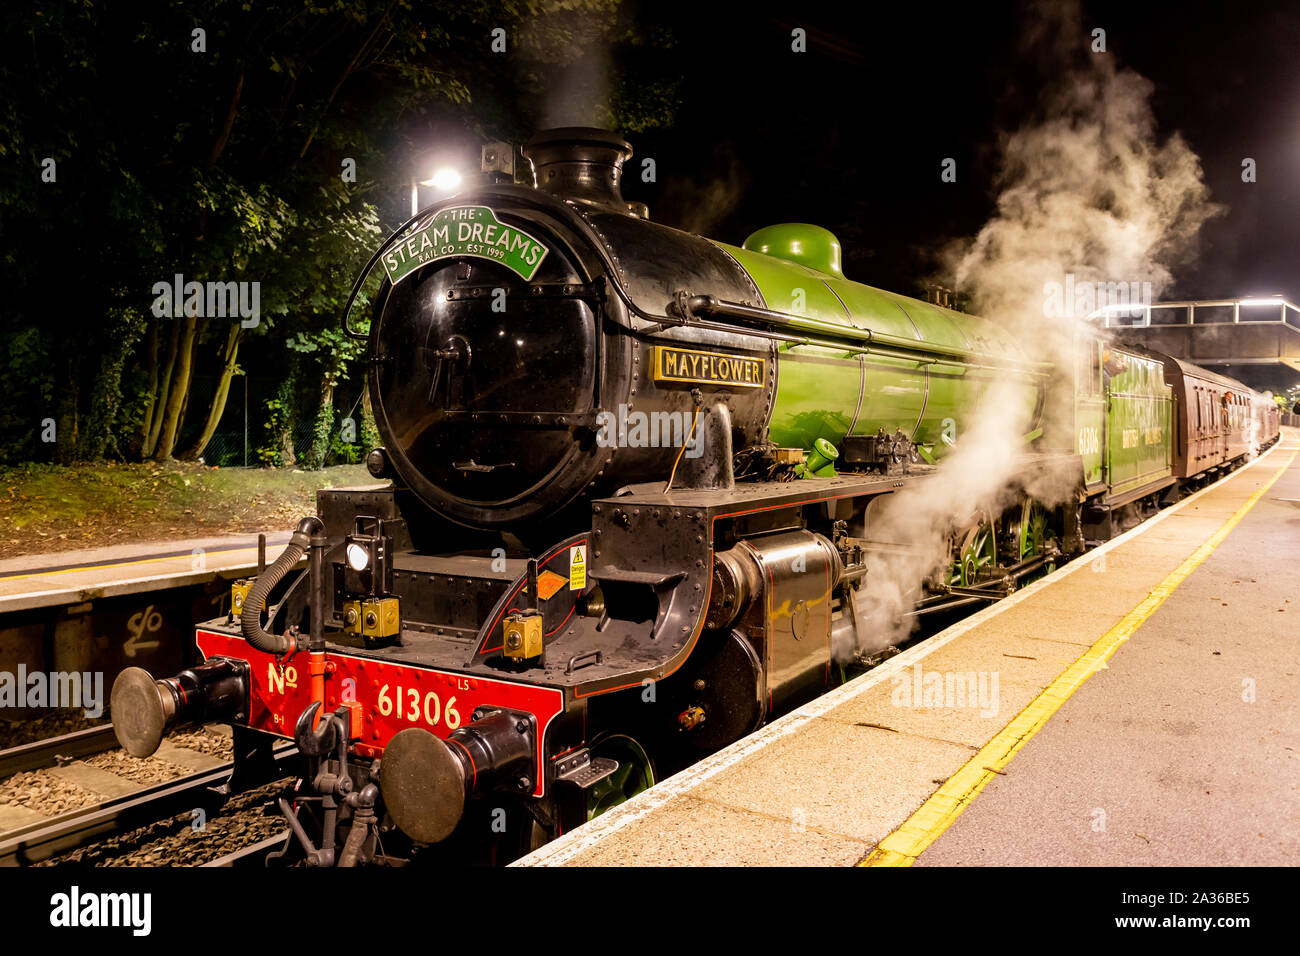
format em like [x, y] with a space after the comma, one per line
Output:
[630, 480]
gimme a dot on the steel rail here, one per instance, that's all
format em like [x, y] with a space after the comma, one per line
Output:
[252, 854]
[150, 804]
[42, 753]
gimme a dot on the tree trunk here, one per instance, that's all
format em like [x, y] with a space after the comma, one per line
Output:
[180, 386]
[281, 423]
[66, 435]
[164, 392]
[369, 431]
[151, 392]
[189, 385]
[323, 427]
[217, 406]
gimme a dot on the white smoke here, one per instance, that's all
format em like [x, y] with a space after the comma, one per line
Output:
[566, 47]
[1086, 189]
[700, 205]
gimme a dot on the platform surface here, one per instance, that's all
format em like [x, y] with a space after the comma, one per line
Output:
[1139, 706]
[69, 577]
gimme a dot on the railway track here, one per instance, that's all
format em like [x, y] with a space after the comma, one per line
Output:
[45, 753]
[31, 832]
[253, 855]
[149, 804]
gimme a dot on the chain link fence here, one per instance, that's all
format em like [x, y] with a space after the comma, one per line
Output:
[227, 449]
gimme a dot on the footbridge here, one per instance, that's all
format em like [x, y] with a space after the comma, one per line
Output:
[1215, 332]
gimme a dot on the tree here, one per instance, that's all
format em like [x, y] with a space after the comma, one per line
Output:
[220, 161]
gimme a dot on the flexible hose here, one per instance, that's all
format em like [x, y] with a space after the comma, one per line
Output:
[250, 619]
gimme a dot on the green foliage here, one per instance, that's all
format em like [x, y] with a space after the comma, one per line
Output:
[346, 453]
[105, 429]
[31, 377]
[279, 424]
[369, 433]
[322, 433]
[224, 166]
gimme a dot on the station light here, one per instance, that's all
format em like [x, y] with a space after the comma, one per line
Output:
[445, 179]
[1275, 301]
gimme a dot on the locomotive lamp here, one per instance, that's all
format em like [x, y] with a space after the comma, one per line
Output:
[445, 180]
[522, 635]
[498, 164]
[238, 592]
[376, 616]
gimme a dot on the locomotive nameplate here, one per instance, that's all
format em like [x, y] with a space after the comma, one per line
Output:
[708, 368]
[465, 231]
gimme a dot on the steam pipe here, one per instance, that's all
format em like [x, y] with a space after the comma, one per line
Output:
[250, 621]
[871, 341]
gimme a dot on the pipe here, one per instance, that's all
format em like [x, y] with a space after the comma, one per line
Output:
[871, 341]
[363, 819]
[250, 621]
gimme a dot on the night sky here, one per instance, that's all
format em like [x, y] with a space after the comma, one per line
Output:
[851, 134]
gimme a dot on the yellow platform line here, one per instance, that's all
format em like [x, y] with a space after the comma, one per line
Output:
[188, 556]
[937, 814]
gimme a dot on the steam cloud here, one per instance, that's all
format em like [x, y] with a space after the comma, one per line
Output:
[1085, 188]
[701, 205]
[567, 49]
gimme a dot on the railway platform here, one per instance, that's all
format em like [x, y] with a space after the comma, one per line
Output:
[98, 611]
[45, 580]
[1139, 706]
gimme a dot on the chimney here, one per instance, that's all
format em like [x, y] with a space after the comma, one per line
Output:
[580, 163]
